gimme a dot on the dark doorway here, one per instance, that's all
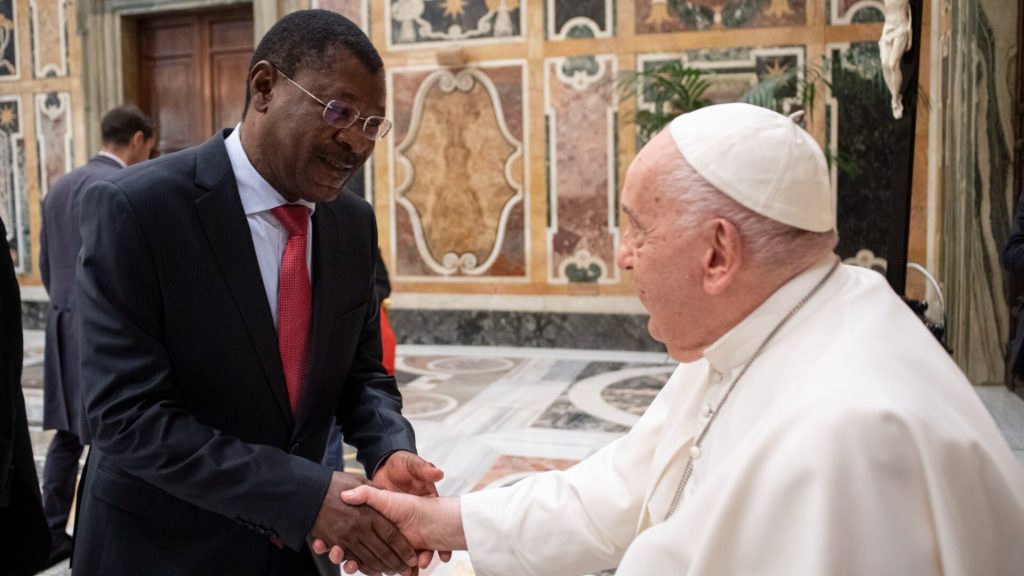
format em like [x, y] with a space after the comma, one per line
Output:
[191, 71]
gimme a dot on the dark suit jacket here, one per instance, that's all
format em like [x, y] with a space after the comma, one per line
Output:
[60, 242]
[26, 540]
[197, 464]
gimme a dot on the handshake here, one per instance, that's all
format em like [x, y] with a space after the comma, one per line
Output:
[392, 526]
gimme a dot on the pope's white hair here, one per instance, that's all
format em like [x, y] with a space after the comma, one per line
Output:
[768, 245]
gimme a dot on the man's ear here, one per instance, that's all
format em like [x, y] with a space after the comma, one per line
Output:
[138, 139]
[724, 257]
[262, 78]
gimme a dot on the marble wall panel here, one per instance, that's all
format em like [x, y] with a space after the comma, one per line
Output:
[583, 229]
[734, 72]
[655, 16]
[8, 40]
[53, 138]
[859, 131]
[854, 11]
[580, 19]
[357, 11]
[458, 173]
[49, 38]
[13, 186]
[415, 23]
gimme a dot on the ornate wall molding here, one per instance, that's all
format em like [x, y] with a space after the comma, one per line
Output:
[13, 186]
[573, 19]
[49, 38]
[851, 11]
[9, 68]
[54, 136]
[582, 172]
[459, 208]
[421, 24]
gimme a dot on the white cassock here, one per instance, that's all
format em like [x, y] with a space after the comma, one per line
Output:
[853, 445]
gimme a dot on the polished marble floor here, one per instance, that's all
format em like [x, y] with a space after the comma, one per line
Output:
[491, 416]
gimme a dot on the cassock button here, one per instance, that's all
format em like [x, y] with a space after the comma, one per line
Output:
[695, 452]
[706, 410]
[716, 376]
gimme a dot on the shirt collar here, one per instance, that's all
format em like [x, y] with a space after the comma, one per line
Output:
[736, 346]
[256, 193]
[113, 157]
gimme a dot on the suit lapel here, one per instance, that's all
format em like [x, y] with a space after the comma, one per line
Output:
[328, 265]
[224, 221]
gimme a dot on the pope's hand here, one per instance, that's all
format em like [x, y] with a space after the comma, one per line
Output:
[408, 473]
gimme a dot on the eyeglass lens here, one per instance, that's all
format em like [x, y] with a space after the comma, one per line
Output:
[341, 115]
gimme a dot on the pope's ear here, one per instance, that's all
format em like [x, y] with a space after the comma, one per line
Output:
[724, 257]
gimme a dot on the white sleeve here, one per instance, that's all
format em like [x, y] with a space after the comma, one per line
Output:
[563, 523]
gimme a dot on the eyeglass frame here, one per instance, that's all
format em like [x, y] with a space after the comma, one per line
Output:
[382, 131]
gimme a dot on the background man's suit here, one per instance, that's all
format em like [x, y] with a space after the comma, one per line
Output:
[197, 464]
[60, 242]
[26, 541]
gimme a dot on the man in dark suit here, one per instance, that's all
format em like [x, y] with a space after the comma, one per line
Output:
[227, 314]
[27, 541]
[128, 138]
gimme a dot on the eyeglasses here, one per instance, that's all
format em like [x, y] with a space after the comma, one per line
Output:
[341, 115]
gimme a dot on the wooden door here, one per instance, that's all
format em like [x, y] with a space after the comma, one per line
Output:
[192, 72]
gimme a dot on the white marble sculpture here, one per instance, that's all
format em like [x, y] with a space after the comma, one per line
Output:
[895, 41]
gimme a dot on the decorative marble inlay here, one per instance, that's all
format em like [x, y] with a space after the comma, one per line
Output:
[9, 40]
[457, 171]
[735, 72]
[859, 132]
[867, 259]
[507, 470]
[854, 11]
[419, 22]
[607, 397]
[583, 227]
[49, 38]
[13, 188]
[468, 365]
[421, 404]
[357, 11]
[657, 16]
[53, 133]
[580, 19]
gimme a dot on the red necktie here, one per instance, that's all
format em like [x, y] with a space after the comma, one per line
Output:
[294, 300]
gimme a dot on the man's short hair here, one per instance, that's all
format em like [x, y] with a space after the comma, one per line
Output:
[305, 38]
[121, 123]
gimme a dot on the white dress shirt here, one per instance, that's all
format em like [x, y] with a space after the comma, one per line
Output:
[269, 236]
[113, 157]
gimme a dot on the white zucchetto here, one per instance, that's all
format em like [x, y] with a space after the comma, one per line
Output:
[761, 159]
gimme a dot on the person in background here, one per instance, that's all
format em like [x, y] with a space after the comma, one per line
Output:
[128, 137]
[1013, 261]
[26, 541]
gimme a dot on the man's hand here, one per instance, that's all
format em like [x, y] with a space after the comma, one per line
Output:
[364, 535]
[408, 473]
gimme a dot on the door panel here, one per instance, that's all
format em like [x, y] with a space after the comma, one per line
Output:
[192, 72]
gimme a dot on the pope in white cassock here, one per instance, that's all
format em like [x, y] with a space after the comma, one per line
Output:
[814, 426]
